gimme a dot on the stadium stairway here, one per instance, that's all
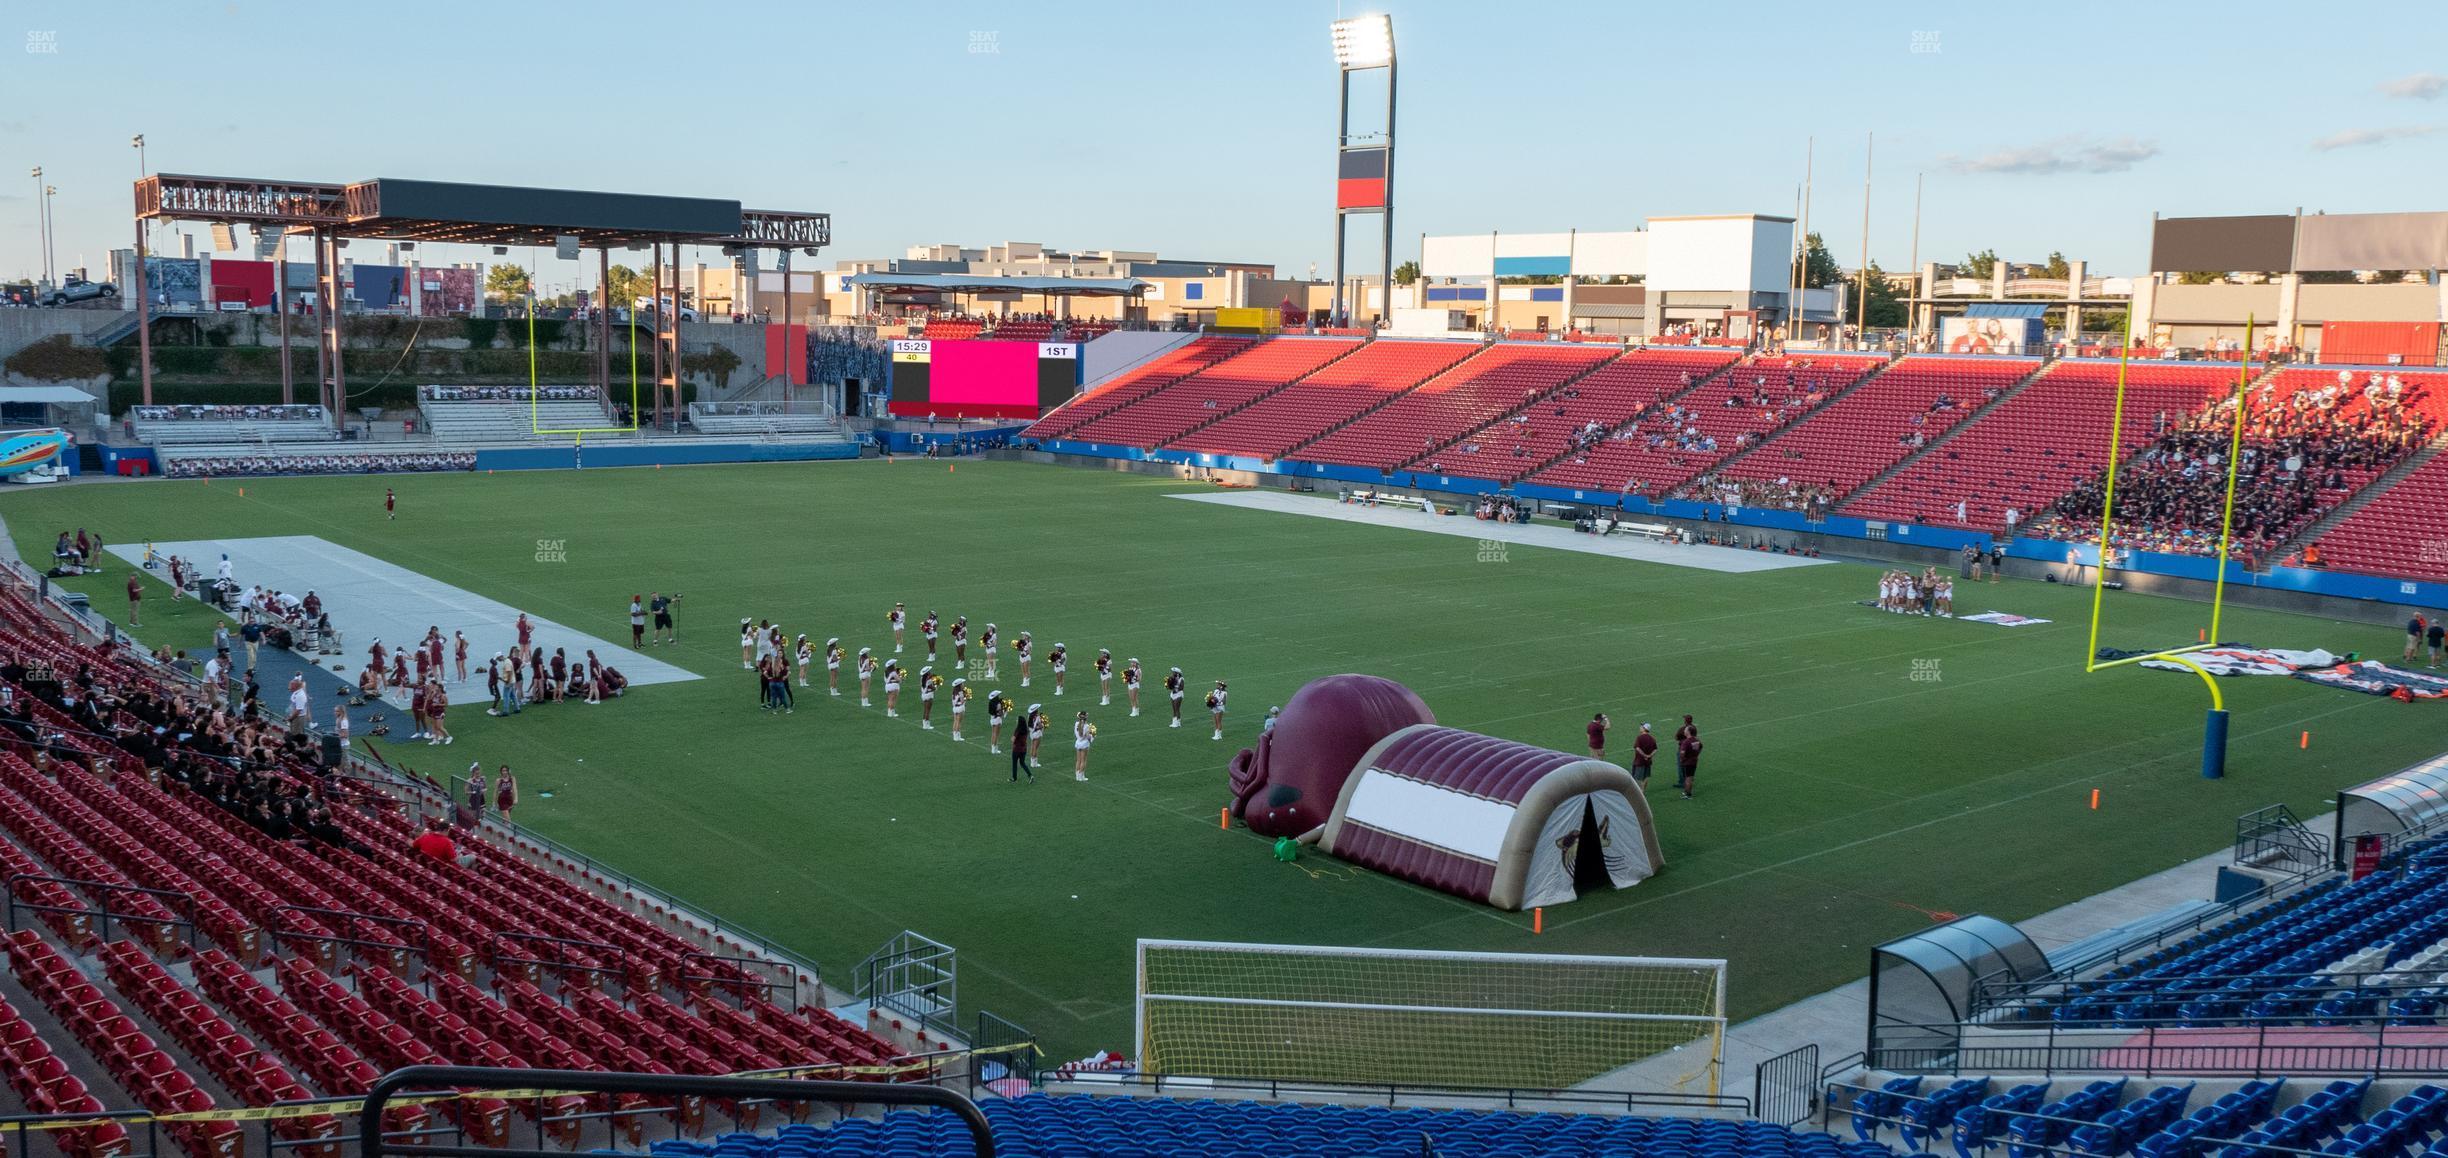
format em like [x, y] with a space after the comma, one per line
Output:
[1464, 365]
[1625, 404]
[2409, 491]
[1134, 383]
[1724, 467]
[1500, 380]
[1367, 380]
[1983, 411]
[1634, 419]
[1612, 464]
[1179, 408]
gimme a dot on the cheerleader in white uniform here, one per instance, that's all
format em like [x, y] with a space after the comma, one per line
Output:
[807, 658]
[998, 706]
[1056, 660]
[1021, 648]
[892, 689]
[1131, 676]
[1083, 734]
[833, 660]
[960, 706]
[1036, 734]
[1215, 709]
[926, 631]
[748, 645]
[866, 671]
[960, 642]
[928, 681]
[896, 619]
[1104, 670]
[1173, 691]
[987, 650]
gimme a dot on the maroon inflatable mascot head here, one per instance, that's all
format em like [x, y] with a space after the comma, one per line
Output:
[1289, 784]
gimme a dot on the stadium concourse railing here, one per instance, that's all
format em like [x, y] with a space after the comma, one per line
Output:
[1371, 1093]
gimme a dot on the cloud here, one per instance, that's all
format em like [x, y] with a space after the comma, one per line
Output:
[2357, 138]
[2421, 86]
[2060, 155]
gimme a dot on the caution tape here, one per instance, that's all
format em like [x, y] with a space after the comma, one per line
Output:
[337, 1107]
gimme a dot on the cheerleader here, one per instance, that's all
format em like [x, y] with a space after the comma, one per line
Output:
[505, 792]
[866, 672]
[539, 687]
[476, 788]
[748, 646]
[399, 669]
[1083, 734]
[1130, 685]
[960, 706]
[926, 631]
[897, 619]
[1215, 709]
[380, 655]
[416, 713]
[928, 681]
[960, 642]
[998, 706]
[437, 702]
[1946, 598]
[986, 648]
[1173, 691]
[1020, 651]
[1104, 670]
[1036, 736]
[833, 660]
[560, 675]
[1056, 660]
[892, 689]
[424, 666]
[459, 646]
[807, 658]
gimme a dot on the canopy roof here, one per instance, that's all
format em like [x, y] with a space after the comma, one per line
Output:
[967, 283]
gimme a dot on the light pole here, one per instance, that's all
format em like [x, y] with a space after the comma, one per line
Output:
[42, 226]
[137, 143]
[51, 236]
[1364, 174]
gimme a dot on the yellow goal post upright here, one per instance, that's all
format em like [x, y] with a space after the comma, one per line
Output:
[1371, 1016]
[2214, 727]
[535, 387]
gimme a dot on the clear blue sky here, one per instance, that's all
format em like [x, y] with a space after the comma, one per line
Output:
[1205, 130]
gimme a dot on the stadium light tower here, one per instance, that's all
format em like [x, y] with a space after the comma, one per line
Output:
[1364, 172]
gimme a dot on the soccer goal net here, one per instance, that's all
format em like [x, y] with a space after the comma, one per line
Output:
[1418, 1017]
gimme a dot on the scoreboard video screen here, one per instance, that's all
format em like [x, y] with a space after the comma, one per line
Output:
[972, 378]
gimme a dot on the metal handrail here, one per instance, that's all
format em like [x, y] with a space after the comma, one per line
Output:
[1392, 1092]
[427, 1078]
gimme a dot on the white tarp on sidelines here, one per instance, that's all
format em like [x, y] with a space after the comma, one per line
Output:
[2261, 661]
[370, 599]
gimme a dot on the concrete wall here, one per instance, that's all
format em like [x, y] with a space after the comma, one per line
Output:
[2213, 304]
[22, 328]
[2368, 303]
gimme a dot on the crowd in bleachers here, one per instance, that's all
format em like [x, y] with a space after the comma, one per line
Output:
[2303, 452]
[229, 465]
[227, 413]
[1783, 493]
[432, 393]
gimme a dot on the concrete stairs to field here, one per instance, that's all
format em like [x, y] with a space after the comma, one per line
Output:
[1389, 400]
[1679, 395]
[2363, 498]
[1898, 467]
[1245, 404]
[1768, 436]
[1509, 415]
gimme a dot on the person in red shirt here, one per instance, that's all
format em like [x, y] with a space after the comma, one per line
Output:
[390, 503]
[1687, 756]
[1598, 726]
[435, 843]
[1644, 753]
[135, 601]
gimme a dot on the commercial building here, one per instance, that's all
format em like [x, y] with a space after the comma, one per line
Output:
[1727, 275]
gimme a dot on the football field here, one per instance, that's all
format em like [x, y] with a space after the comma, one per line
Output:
[1865, 773]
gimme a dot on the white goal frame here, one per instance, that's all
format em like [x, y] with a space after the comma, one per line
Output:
[1711, 1025]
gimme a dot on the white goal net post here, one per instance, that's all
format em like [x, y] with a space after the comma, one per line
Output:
[1421, 1017]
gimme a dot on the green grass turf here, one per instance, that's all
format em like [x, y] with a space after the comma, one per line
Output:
[1842, 802]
